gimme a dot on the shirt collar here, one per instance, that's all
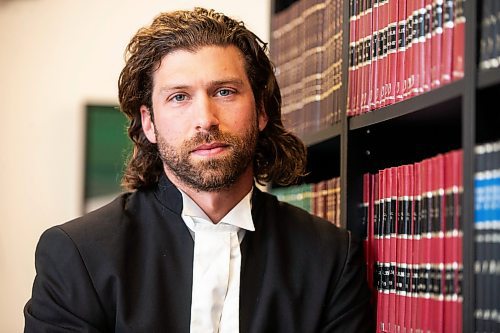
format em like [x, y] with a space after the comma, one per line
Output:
[240, 215]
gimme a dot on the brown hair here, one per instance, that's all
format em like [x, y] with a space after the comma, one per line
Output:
[280, 156]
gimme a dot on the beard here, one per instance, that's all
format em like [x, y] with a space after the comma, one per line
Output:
[213, 173]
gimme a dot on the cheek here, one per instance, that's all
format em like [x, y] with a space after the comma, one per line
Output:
[172, 138]
[171, 129]
[168, 134]
[239, 127]
[241, 123]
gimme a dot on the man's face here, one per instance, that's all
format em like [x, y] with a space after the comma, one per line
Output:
[205, 119]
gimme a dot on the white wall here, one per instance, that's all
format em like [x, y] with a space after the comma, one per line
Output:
[55, 57]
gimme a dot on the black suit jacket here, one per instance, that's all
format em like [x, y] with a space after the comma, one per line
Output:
[127, 267]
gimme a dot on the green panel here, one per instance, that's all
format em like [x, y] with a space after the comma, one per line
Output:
[107, 148]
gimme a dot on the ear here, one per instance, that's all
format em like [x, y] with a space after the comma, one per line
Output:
[262, 118]
[148, 127]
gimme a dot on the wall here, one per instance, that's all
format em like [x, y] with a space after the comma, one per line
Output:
[55, 57]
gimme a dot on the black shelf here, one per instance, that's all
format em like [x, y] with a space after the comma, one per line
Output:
[487, 113]
[488, 78]
[323, 153]
[323, 135]
[323, 160]
[430, 100]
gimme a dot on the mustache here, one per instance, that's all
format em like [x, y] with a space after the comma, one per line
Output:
[206, 137]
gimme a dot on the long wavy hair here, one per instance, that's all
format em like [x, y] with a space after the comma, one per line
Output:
[280, 156]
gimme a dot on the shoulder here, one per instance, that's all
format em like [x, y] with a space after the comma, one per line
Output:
[132, 222]
[107, 218]
[105, 227]
[94, 240]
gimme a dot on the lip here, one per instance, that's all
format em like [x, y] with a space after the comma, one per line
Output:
[209, 148]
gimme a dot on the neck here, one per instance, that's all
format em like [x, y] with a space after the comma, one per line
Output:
[217, 204]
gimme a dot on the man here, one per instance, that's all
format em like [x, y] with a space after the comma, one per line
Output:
[194, 246]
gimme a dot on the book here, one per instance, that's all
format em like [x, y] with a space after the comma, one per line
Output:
[413, 214]
[447, 46]
[459, 40]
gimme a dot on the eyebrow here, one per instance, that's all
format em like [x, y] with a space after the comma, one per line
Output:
[229, 81]
[237, 82]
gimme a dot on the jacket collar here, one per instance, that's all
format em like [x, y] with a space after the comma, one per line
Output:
[168, 195]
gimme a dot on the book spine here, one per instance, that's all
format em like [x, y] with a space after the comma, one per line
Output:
[459, 41]
[409, 50]
[392, 195]
[436, 40]
[401, 52]
[448, 30]
[379, 235]
[409, 208]
[384, 29]
[417, 268]
[427, 46]
[392, 51]
[376, 51]
[417, 47]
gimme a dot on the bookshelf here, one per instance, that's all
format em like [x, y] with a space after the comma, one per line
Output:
[457, 115]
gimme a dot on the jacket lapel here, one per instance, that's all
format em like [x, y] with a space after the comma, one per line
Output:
[254, 254]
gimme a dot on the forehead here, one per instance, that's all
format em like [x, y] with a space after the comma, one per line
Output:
[207, 62]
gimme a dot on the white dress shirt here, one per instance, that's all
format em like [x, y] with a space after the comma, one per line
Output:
[216, 265]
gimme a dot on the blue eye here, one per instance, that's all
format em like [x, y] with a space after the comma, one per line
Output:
[179, 97]
[224, 92]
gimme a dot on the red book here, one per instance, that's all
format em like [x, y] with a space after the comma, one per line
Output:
[376, 51]
[379, 236]
[436, 42]
[383, 39]
[449, 253]
[373, 236]
[401, 53]
[453, 312]
[392, 51]
[459, 41]
[392, 196]
[417, 268]
[427, 46]
[409, 189]
[410, 5]
[374, 202]
[438, 230]
[448, 28]
[367, 54]
[418, 47]
[401, 260]
[384, 254]
[426, 244]
[359, 57]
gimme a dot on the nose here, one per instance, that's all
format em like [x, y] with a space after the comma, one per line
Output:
[206, 114]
